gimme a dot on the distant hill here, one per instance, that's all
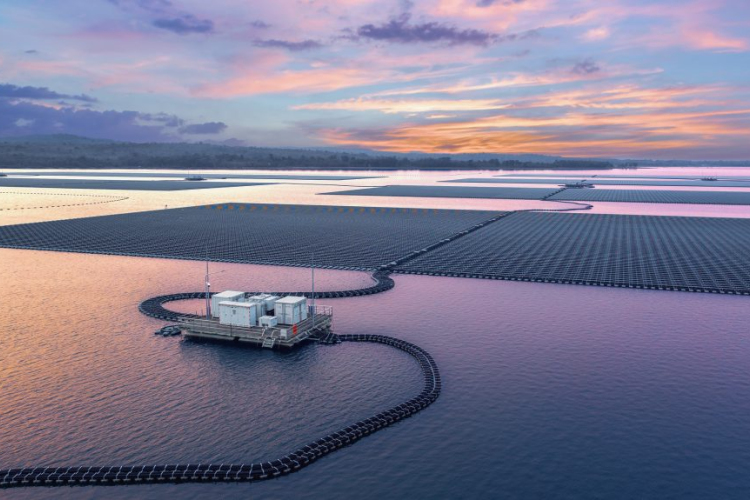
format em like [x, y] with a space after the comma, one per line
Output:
[54, 139]
[82, 153]
[70, 151]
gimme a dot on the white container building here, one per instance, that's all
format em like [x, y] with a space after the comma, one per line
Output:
[268, 321]
[291, 310]
[226, 296]
[267, 301]
[238, 313]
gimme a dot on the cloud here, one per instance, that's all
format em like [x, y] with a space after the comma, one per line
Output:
[31, 51]
[488, 3]
[399, 30]
[204, 128]
[585, 67]
[31, 118]
[15, 92]
[596, 34]
[288, 45]
[260, 24]
[185, 24]
[166, 16]
[407, 106]
[151, 5]
[26, 118]
[649, 133]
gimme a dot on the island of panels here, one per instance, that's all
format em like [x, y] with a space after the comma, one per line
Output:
[338, 237]
[605, 182]
[634, 176]
[654, 196]
[675, 182]
[685, 253]
[518, 180]
[506, 193]
[138, 173]
[118, 184]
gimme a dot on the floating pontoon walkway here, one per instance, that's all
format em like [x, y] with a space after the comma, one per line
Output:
[118, 184]
[286, 464]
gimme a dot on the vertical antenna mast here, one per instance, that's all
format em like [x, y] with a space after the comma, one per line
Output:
[208, 289]
[312, 267]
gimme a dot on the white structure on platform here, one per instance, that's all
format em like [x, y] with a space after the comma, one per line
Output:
[291, 310]
[268, 321]
[226, 296]
[266, 300]
[238, 313]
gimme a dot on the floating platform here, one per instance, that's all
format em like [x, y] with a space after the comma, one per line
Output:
[271, 337]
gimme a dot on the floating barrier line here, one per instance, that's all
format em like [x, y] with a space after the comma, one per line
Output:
[286, 464]
[292, 462]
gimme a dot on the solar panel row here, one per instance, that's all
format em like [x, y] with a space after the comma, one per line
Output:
[344, 237]
[708, 254]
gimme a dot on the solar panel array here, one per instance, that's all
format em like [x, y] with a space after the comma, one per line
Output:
[139, 173]
[119, 184]
[605, 182]
[339, 237]
[654, 196]
[676, 182]
[519, 180]
[691, 253]
[506, 193]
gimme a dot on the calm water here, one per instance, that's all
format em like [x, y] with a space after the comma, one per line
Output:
[550, 391]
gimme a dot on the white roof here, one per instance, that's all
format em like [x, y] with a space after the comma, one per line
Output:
[229, 303]
[291, 299]
[229, 293]
[264, 296]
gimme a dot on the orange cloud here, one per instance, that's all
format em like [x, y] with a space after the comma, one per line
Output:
[521, 80]
[714, 41]
[407, 106]
[567, 134]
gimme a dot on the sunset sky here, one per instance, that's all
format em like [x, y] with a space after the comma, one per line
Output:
[607, 78]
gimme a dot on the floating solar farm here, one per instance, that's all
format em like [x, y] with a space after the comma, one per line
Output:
[339, 237]
[118, 184]
[505, 193]
[295, 177]
[676, 182]
[654, 196]
[682, 253]
[605, 182]
[514, 180]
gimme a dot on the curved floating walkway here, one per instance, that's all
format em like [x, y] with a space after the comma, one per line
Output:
[292, 462]
[111, 199]
[154, 307]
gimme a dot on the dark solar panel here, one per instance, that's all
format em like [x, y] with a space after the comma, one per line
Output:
[654, 196]
[605, 182]
[136, 173]
[508, 193]
[616, 250]
[347, 237]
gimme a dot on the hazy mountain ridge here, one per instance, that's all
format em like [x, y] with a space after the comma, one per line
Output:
[70, 151]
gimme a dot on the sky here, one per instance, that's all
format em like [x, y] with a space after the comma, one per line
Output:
[594, 78]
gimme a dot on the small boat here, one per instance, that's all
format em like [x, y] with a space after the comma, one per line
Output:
[168, 331]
